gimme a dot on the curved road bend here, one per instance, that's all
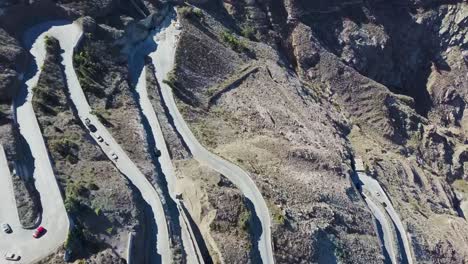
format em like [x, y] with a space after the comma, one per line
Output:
[190, 244]
[163, 60]
[69, 36]
[378, 194]
[54, 216]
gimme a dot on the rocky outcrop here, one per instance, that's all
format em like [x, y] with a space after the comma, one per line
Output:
[12, 66]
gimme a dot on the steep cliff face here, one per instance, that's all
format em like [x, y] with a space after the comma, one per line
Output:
[12, 64]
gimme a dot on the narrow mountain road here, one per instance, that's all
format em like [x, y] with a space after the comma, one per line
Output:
[54, 216]
[163, 60]
[69, 36]
[378, 194]
[374, 192]
[190, 245]
[388, 237]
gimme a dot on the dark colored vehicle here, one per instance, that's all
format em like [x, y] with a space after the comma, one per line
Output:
[92, 128]
[39, 232]
[11, 256]
[6, 228]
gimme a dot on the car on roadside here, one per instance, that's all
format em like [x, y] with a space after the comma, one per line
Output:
[100, 139]
[114, 156]
[11, 256]
[92, 128]
[6, 228]
[87, 121]
[39, 232]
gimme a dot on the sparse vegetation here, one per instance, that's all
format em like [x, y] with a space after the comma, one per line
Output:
[277, 214]
[244, 220]
[49, 43]
[110, 230]
[205, 133]
[72, 196]
[74, 238]
[88, 71]
[65, 147]
[171, 79]
[461, 185]
[248, 31]
[103, 115]
[190, 12]
[234, 42]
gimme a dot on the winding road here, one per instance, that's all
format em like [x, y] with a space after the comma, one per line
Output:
[374, 192]
[136, 61]
[69, 36]
[163, 60]
[54, 216]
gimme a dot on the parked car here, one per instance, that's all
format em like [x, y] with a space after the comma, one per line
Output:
[39, 232]
[100, 139]
[114, 156]
[11, 256]
[92, 128]
[87, 121]
[6, 228]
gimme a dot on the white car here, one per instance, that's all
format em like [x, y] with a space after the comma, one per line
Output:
[6, 228]
[11, 256]
[100, 139]
[114, 156]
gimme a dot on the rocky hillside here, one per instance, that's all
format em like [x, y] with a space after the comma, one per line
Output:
[291, 91]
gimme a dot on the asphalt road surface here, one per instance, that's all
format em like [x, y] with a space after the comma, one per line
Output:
[136, 63]
[376, 193]
[163, 60]
[69, 36]
[54, 217]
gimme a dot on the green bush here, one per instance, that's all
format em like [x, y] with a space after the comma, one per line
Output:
[235, 43]
[49, 43]
[248, 32]
[72, 205]
[102, 114]
[63, 146]
[190, 12]
[244, 220]
[170, 79]
[88, 71]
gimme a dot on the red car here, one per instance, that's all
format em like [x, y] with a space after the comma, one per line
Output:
[39, 232]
